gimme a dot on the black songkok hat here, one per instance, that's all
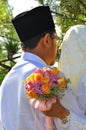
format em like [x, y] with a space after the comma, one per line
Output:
[34, 22]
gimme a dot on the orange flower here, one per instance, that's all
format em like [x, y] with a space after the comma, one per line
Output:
[32, 94]
[54, 71]
[46, 88]
[46, 79]
[62, 83]
[38, 77]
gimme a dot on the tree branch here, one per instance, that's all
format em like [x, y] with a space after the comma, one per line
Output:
[84, 5]
[65, 16]
[9, 59]
[5, 66]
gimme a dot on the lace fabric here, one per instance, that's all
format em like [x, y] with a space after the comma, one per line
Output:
[73, 64]
[73, 56]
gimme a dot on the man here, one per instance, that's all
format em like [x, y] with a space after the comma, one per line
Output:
[36, 31]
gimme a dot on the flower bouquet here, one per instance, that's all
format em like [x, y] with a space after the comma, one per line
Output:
[44, 85]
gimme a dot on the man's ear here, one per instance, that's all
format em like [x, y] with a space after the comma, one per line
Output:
[47, 40]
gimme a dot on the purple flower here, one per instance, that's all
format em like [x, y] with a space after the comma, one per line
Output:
[47, 73]
[38, 87]
[54, 76]
[53, 82]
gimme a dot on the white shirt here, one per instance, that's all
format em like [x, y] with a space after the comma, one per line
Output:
[16, 112]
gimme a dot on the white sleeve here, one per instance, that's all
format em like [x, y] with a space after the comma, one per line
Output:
[69, 102]
[82, 94]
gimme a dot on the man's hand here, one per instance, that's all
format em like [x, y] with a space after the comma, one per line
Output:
[57, 110]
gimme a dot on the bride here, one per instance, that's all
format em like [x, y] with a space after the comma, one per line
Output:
[73, 63]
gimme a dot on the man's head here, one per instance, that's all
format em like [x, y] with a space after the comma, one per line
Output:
[32, 23]
[35, 29]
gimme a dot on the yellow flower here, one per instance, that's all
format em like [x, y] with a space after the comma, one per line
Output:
[32, 94]
[30, 78]
[46, 88]
[62, 83]
[44, 68]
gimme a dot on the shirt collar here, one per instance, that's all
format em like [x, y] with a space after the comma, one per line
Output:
[32, 57]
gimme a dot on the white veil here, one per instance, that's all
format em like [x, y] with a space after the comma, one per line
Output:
[73, 55]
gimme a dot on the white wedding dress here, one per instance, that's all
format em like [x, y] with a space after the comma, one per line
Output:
[73, 63]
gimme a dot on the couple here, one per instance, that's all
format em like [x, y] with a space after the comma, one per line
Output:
[36, 31]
